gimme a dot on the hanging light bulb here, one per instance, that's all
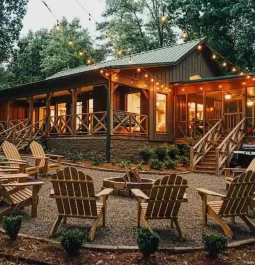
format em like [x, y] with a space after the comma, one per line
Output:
[106, 35]
[130, 59]
[152, 80]
[214, 56]
[119, 52]
[163, 18]
[95, 66]
[220, 86]
[184, 35]
[250, 103]
[233, 69]
[199, 47]
[241, 73]
[58, 26]
[138, 70]
[146, 76]
[248, 76]
[107, 74]
[224, 64]
[228, 96]
[89, 17]
[80, 53]
[70, 42]
[89, 61]
[101, 71]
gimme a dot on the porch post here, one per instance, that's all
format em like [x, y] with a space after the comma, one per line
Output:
[74, 110]
[30, 113]
[8, 114]
[109, 119]
[47, 118]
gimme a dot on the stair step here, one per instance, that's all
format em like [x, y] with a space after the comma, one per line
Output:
[205, 171]
[205, 167]
[207, 163]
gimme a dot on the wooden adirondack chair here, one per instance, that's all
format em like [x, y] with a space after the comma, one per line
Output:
[163, 202]
[44, 164]
[234, 204]
[15, 193]
[75, 197]
[14, 159]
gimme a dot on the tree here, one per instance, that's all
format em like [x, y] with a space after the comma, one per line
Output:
[11, 15]
[135, 26]
[227, 24]
[64, 48]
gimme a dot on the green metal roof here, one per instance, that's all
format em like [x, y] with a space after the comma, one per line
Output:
[171, 55]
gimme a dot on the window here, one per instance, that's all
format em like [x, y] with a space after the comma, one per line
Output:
[161, 113]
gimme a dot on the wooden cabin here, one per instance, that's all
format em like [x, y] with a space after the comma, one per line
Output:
[115, 107]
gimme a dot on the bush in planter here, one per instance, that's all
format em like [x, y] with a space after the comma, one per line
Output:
[97, 159]
[214, 244]
[184, 150]
[72, 240]
[173, 151]
[156, 164]
[145, 153]
[184, 161]
[124, 163]
[171, 164]
[12, 225]
[161, 152]
[147, 241]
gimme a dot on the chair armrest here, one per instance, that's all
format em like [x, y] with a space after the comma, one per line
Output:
[34, 183]
[9, 167]
[104, 192]
[208, 192]
[12, 161]
[12, 177]
[51, 155]
[40, 157]
[235, 169]
[139, 194]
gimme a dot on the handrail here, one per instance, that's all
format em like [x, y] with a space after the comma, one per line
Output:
[21, 121]
[204, 145]
[229, 144]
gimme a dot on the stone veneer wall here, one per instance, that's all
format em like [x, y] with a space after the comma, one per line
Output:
[121, 148]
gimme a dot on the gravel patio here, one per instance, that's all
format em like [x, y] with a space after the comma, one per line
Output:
[121, 215]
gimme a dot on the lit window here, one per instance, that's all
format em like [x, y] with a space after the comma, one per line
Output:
[161, 113]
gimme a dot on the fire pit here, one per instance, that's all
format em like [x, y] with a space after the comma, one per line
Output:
[122, 186]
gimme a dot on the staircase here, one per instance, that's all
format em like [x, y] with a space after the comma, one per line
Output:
[214, 150]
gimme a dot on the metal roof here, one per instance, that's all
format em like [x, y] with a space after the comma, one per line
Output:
[170, 55]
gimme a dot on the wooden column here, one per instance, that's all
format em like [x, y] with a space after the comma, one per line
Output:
[204, 113]
[8, 114]
[30, 114]
[244, 102]
[109, 118]
[74, 109]
[47, 118]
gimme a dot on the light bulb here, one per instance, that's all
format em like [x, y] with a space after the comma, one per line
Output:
[70, 42]
[163, 18]
[199, 47]
[80, 53]
[184, 35]
[224, 64]
[214, 56]
[138, 70]
[146, 76]
[57, 26]
[250, 103]
[88, 61]
[228, 96]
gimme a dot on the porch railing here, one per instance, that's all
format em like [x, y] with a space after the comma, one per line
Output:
[129, 123]
[229, 144]
[205, 144]
[231, 120]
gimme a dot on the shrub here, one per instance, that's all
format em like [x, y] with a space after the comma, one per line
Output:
[156, 164]
[214, 244]
[140, 165]
[170, 164]
[97, 159]
[72, 240]
[145, 153]
[184, 150]
[173, 151]
[76, 157]
[147, 241]
[184, 160]
[161, 152]
[12, 225]
[124, 163]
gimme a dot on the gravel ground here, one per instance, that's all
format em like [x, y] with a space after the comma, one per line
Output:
[121, 215]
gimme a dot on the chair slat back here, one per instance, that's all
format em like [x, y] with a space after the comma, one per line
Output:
[37, 150]
[239, 195]
[166, 197]
[251, 165]
[11, 152]
[74, 193]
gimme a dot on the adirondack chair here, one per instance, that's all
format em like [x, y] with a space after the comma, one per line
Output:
[75, 197]
[14, 159]
[44, 164]
[234, 204]
[236, 172]
[15, 193]
[163, 202]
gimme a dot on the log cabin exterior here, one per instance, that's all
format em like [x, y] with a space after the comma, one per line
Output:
[113, 107]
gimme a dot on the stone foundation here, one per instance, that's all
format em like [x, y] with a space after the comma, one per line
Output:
[121, 148]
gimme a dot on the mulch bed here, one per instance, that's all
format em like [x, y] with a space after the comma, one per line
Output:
[33, 251]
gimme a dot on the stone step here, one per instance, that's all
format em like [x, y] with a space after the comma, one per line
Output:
[205, 167]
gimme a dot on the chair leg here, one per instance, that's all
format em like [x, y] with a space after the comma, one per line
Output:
[94, 227]
[64, 220]
[227, 231]
[55, 226]
[178, 228]
[35, 200]
[138, 214]
[249, 223]
[172, 223]
[144, 220]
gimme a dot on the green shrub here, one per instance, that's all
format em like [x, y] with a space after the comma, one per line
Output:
[184, 150]
[76, 157]
[140, 165]
[184, 161]
[147, 241]
[124, 163]
[12, 225]
[170, 164]
[156, 164]
[72, 240]
[214, 244]
[145, 153]
[161, 152]
[97, 159]
[173, 151]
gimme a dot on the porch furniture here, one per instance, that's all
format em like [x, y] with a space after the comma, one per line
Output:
[44, 165]
[15, 193]
[14, 159]
[164, 201]
[237, 171]
[235, 203]
[75, 197]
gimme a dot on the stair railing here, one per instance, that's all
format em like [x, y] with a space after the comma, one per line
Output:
[229, 144]
[205, 144]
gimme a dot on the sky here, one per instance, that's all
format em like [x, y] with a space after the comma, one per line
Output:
[38, 16]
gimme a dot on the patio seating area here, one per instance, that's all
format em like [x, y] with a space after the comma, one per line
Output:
[121, 215]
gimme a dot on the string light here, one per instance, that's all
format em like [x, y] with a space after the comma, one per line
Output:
[119, 52]
[58, 26]
[101, 71]
[80, 53]
[138, 70]
[70, 42]
[241, 73]
[233, 69]
[248, 76]
[184, 35]
[163, 18]
[152, 80]
[214, 56]
[224, 64]
[130, 59]
[146, 76]
[199, 47]
[88, 61]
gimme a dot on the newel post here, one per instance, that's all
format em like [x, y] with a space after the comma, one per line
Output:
[109, 118]
[217, 160]
[74, 110]
[191, 158]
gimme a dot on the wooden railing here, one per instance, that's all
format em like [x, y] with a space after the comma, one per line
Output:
[61, 125]
[129, 123]
[91, 123]
[229, 144]
[231, 120]
[207, 142]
